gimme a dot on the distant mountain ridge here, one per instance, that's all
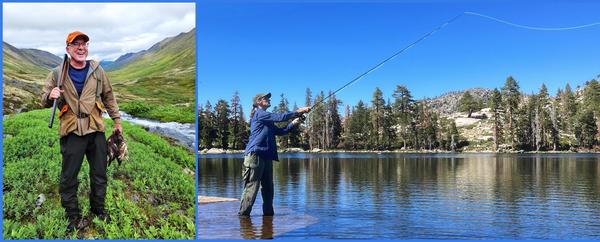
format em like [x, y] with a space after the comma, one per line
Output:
[32, 56]
[169, 64]
[132, 56]
[121, 61]
[23, 74]
[43, 58]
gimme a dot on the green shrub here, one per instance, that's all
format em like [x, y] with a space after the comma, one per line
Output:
[145, 195]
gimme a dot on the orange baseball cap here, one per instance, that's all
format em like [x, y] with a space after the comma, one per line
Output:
[76, 34]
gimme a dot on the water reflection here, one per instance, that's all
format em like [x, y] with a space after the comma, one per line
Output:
[220, 221]
[430, 196]
[249, 231]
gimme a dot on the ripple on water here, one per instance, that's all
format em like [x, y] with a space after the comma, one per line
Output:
[395, 196]
[220, 221]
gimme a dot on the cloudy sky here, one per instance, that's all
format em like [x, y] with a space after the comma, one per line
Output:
[114, 28]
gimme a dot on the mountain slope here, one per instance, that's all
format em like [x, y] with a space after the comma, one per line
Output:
[165, 73]
[447, 103]
[42, 58]
[24, 73]
[122, 60]
[27, 64]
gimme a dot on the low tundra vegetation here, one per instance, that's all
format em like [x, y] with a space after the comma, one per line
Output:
[151, 196]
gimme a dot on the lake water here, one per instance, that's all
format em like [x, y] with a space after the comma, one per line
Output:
[415, 196]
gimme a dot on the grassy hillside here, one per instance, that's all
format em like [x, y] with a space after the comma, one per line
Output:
[23, 77]
[16, 65]
[165, 74]
[150, 196]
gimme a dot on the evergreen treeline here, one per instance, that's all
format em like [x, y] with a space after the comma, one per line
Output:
[538, 121]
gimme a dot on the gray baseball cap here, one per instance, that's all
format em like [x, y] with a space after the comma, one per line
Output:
[259, 96]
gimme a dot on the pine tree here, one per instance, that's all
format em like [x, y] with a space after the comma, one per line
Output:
[510, 102]
[430, 128]
[454, 136]
[568, 110]
[523, 131]
[209, 130]
[536, 122]
[417, 126]
[334, 123]
[222, 114]
[591, 96]
[497, 111]
[402, 112]
[244, 131]
[306, 139]
[543, 109]
[586, 128]
[377, 117]
[389, 134]
[283, 141]
[591, 99]
[235, 139]
[294, 134]
[358, 124]
[555, 124]
[468, 104]
[317, 124]
[345, 139]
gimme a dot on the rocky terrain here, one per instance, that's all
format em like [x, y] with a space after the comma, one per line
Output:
[447, 103]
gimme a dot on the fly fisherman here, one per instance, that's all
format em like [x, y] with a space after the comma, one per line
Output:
[81, 100]
[262, 150]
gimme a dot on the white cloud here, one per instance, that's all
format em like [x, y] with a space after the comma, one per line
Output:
[114, 28]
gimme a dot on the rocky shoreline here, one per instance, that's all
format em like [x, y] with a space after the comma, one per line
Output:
[299, 150]
[207, 199]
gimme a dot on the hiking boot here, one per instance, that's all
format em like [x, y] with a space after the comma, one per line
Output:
[84, 222]
[77, 223]
[102, 215]
[73, 222]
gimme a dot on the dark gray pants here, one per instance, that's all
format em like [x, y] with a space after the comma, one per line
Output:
[257, 172]
[72, 148]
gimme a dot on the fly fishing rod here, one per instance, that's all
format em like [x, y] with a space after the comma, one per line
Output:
[380, 64]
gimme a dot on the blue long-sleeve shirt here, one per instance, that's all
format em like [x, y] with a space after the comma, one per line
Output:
[263, 130]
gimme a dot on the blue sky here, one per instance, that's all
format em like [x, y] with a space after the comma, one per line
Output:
[287, 46]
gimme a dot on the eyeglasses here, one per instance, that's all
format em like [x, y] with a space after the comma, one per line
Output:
[81, 44]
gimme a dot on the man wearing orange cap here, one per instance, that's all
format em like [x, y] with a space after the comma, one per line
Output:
[82, 98]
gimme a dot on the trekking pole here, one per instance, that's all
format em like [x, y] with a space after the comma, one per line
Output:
[59, 81]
